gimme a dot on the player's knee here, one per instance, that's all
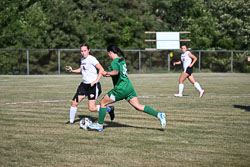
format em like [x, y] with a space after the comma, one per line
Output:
[102, 103]
[74, 104]
[92, 108]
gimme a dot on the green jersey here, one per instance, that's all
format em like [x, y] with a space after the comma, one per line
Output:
[121, 80]
[123, 88]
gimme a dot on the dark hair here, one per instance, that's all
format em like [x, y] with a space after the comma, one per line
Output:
[115, 49]
[184, 45]
[85, 45]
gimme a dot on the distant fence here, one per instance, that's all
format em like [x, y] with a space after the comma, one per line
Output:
[53, 61]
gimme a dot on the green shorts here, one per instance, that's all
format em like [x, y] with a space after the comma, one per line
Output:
[117, 95]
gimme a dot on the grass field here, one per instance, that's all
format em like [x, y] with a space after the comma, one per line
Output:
[209, 131]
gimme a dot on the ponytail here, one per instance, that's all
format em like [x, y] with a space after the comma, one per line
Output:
[115, 49]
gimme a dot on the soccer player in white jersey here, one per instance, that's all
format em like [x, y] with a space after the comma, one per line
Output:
[90, 85]
[187, 60]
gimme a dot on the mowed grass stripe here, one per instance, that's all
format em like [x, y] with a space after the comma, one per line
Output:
[209, 131]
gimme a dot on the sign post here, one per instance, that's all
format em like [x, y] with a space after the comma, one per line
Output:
[166, 41]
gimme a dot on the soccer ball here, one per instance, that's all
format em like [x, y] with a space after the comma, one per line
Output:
[84, 123]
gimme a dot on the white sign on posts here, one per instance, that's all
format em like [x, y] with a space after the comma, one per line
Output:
[168, 40]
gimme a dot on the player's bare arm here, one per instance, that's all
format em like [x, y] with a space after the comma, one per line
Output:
[194, 59]
[111, 73]
[100, 68]
[177, 62]
[69, 68]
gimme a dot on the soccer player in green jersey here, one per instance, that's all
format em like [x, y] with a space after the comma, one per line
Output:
[123, 89]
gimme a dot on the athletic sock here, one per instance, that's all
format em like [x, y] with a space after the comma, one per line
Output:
[108, 109]
[197, 86]
[98, 108]
[72, 114]
[181, 88]
[101, 116]
[150, 111]
[159, 115]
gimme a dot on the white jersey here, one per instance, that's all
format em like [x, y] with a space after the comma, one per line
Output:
[88, 69]
[186, 60]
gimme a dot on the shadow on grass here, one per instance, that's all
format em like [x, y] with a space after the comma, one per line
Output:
[246, 108]
[111, 124]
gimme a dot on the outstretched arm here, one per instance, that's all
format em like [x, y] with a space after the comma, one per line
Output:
[177, 62]
[69, 68]
[111, 73]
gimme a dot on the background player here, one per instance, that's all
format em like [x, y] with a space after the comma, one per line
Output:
[123, 89]
[90, 85]
[188, 60]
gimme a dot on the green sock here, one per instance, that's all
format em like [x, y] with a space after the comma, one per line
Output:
[150, 111]
[102, 114]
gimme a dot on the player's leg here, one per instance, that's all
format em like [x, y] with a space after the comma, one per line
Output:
[191, 79]
[102, 113]
[96, 108]
[110, 109]
[104, 108]
[196, 85]
[92, 105]
[135, 103]
[93, 93]
[182, 78]
[78, 97]
[147, 109]
[75, 102]
[73, 109]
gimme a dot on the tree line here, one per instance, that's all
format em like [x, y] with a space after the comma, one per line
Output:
[59, 24]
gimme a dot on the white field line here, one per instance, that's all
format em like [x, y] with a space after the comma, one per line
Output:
[44, 101]
[59, 101]
[141, 97]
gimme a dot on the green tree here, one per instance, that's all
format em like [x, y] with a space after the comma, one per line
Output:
[233, 18]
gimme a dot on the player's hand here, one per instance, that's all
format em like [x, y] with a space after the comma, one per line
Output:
[104, 73]
[93, 83]
[69, 68]
[190, 65]
[174, 63]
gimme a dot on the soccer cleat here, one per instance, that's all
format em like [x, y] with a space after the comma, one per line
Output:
[68, 122]
[162, 118]
[112, 113]
[202, 93]
[96, 126]
[178, 95]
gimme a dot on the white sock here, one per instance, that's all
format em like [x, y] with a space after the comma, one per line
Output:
[181, 87]
[72, 114]
[98, 108]
[197, 86]
[158, 115]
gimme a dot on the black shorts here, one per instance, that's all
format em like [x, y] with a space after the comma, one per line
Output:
[86, 90]
[189, 70]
